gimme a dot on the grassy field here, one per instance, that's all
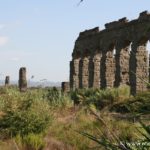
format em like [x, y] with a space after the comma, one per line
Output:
[46, 119]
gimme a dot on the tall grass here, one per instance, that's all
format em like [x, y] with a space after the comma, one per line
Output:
[109, 139]
[30, 142]
[100, 98]
[57, 99]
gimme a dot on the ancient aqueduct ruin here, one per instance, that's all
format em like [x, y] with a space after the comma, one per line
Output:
[108, 58]
[112, 57]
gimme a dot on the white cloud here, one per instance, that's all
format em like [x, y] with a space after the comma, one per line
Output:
[3, 40]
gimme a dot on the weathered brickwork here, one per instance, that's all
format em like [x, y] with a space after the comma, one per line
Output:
[112, 57]
[96, 70]
[74, 73]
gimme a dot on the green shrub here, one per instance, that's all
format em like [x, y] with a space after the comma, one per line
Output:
[139, 104]
[53, 94]
[29, 116]
[100, 98]
[56, 99]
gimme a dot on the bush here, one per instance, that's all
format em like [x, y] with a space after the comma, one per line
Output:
[100, 98]
[57, 99]
[28, 116]
[138, 104]
[53, 94]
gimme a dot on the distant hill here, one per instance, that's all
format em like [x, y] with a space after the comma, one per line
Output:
[36, 83]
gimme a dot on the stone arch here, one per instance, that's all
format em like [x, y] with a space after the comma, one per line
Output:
[86, 53]
[143, 41]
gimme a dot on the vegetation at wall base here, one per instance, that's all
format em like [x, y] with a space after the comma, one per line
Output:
[45, 118]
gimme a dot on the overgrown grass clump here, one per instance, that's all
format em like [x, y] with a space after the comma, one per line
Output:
[140, 104]
[57, 99]
[100, 98]
[30, 141]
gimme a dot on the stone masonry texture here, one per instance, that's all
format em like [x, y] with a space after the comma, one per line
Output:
[22, 79]
[112, 57]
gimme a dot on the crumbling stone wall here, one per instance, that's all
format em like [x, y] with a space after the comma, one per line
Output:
[22, 79]
[112, 57]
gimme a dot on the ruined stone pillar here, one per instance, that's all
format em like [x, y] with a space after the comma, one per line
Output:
[138, 67]
[74, 73]
[7, 81]
[85, 72]
[96, 81]
[110, 69]
[142, 68]
[122, 66]
[22, 79]
[65, 87]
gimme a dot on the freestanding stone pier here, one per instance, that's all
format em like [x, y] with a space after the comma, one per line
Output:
[22, 79]
[65, 86]
[112, 57]
[7, 81]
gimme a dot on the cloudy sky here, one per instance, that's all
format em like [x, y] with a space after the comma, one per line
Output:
[40, 34]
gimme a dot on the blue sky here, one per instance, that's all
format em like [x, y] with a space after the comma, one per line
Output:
[40, 34]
